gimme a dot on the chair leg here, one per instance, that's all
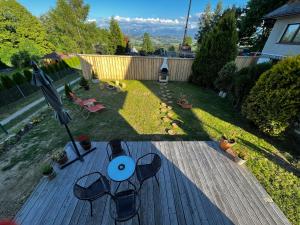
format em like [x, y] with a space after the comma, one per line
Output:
[156, 180]
[91, 204]
[118, 187]
[115, 222]
[132, 184]
[138, 216]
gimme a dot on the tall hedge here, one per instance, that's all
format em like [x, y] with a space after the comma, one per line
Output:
[7, 82]
[18, 78]
[244, 80]
[28, 75]
[218, 48]
[274, 101]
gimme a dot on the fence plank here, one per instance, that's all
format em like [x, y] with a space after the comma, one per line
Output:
[112, 67]
[133, 67]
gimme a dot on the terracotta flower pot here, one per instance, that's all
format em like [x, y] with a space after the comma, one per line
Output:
[85, 142]
[51, 175]
[225, 143]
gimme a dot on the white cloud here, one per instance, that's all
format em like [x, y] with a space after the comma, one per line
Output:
[155, 26]
[150, 20]
[91, 20]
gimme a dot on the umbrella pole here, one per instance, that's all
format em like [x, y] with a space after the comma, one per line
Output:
[73, 142]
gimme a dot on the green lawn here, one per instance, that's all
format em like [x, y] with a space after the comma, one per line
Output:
[134, 114]
[7, 110]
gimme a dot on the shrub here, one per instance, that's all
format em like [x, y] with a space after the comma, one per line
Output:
[3, 65]
[18, 78]
[68, 90]
[225, 76]
[274, 101]
[244, 80]
[28, 75]
[7, 82]
[21, 59]
[217, 48]
[46, 169]
[83, 82]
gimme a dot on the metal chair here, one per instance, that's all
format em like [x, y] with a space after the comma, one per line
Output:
[146, 171]
[94, 190]
[116, 149]
[125, 205]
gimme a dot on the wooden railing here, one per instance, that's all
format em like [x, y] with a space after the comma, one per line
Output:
[111, 67]
[133, 67]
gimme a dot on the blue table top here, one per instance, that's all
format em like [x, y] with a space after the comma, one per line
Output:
[121, 168]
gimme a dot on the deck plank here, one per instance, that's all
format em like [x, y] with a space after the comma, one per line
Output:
[198, 185]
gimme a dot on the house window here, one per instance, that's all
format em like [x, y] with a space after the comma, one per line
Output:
[291, 34]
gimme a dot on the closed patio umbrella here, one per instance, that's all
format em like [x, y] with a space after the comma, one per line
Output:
[40, 79]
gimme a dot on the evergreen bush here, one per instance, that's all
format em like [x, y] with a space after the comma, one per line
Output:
[3, 65]
[83, 82]
[7, 82]
[28, 75]
[18, 78]
[244, 80]
[68, 90]
[225, 77]
[274, 101]
[21, 59]
[217, 48]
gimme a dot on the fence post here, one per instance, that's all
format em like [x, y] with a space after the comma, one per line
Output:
[20, 91]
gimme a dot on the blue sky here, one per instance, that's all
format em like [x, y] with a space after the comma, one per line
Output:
[133, 8]
[158, 17]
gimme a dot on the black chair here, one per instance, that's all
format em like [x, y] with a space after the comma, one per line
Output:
[125, 205]
[146, 171]
[99, 187]
[116, 149]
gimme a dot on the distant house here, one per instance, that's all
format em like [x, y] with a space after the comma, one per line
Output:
[284, 39]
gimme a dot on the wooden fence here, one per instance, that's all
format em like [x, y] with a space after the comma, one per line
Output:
[133, 67]
[113, 67]
[245, 61]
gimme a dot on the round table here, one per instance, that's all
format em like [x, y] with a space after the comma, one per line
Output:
[121, 168]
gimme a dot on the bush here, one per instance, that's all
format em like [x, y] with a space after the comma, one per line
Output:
[83, 82]
[20, 59]
[225, 77]
[18, 78]
[274, 101]
[28, 75]
[3, 65]
[244, 80]
[7, 82]
[68, 90]
[217, 48]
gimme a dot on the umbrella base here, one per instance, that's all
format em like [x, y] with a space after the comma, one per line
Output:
[80, 157]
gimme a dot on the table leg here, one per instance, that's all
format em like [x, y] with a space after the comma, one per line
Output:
[132, 184]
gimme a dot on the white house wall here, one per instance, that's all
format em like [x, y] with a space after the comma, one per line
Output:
[273, 47]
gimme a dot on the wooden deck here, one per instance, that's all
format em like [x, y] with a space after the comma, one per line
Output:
[198, 185]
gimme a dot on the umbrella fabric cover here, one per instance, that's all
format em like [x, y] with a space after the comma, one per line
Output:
[40, 79]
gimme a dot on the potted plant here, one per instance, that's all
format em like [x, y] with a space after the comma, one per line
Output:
[85, 142]
[84, 83]
[226, 143]
[182, 101]
[95, 79]
[48, 171]
[60, 157]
